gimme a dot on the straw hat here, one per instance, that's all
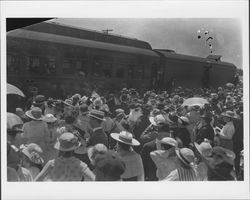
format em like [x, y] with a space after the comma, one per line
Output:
[125, 137]
[186, 156]
[35, 113]
[97, 114]
[49, 118]
[229, 114]
[33, 151]
[67, 142]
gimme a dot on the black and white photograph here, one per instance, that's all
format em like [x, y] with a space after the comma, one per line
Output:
[125, 100]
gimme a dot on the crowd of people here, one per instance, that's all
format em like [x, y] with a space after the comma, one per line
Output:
[179, 135]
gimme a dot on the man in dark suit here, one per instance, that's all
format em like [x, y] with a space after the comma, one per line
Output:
[149, 165]
[97, 136]
[238, 143]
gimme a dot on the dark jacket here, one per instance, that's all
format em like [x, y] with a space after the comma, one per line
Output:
[98, 137]
[184, 135]
[149, 165]
[205, 131]
[238, 136]
[140, 126]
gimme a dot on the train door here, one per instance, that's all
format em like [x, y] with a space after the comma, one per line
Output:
[157, 76]
[206, 77]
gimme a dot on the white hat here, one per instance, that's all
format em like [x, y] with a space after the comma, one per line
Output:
[125, 137]
[49, 118]
[169, 140]
[157, 120]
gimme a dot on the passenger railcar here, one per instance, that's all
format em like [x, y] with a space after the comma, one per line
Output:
[60, 60]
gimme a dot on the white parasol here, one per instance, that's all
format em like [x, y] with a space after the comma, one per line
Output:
[11, 89]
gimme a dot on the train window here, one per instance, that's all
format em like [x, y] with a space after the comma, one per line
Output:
[131, 72]
[107, 70]
[68, 67]
[81, 67]
[12, 64]
[50, 65]
[120, 73]
[139, 72]
[34, 64]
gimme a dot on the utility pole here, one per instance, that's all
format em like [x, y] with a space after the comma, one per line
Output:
[107, 31]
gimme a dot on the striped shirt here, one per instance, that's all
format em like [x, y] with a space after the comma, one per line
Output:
[182, 174]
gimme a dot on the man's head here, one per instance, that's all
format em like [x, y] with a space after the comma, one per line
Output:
[109, 166]
[95, 118]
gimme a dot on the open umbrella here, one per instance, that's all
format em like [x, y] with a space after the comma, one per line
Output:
[11, 89]
[13, 120]
[195, 101]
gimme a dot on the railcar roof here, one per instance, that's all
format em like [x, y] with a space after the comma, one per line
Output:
[60, 39]
[174, 55]
[77, 32]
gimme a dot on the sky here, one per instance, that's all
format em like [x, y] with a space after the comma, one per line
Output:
[178, 34]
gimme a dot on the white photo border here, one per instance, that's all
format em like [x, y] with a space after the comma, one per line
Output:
[126, 9]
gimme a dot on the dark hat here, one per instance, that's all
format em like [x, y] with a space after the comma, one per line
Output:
[110, 164]
[172, 117]
[225, 154]
[160, 106]
[97, 114]
[39, 100]
[207, 116]
[84, 109]
[135, 105]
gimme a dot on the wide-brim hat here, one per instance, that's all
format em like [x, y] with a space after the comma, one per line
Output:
[97, 114]
[67, 142]
[204, 149]
[186, 156]
[68, 102]
[33, 151]
[229, 114]
[39, 100]
[35, 113]
[126, 138]
[157, 120]
[49, 118]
